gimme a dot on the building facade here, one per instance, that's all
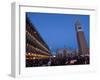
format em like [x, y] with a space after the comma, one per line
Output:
[37, 51]
[65, 53]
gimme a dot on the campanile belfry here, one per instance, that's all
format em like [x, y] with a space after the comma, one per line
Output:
[82, 45]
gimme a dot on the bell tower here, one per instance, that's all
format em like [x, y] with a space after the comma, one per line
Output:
[82, 45]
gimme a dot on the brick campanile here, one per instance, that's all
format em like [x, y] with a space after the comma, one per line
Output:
[82, 45]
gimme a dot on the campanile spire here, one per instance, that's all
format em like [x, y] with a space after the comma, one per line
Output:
[81, 38]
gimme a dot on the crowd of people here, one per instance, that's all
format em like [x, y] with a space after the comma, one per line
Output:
[76, 60]
[36, 62]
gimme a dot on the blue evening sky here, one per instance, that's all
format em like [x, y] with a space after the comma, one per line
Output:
[58, 30]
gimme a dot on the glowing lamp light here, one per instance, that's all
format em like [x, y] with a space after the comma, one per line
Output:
[54, 56]
[33, 57]
[29, 53]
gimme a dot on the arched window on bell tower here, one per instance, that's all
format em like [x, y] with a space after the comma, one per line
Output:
[78, 26]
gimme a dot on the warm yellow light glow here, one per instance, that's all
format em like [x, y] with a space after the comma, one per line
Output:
[37, 41]
[29, 53]
[33, 57]
[36, 56]
[38, 49]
